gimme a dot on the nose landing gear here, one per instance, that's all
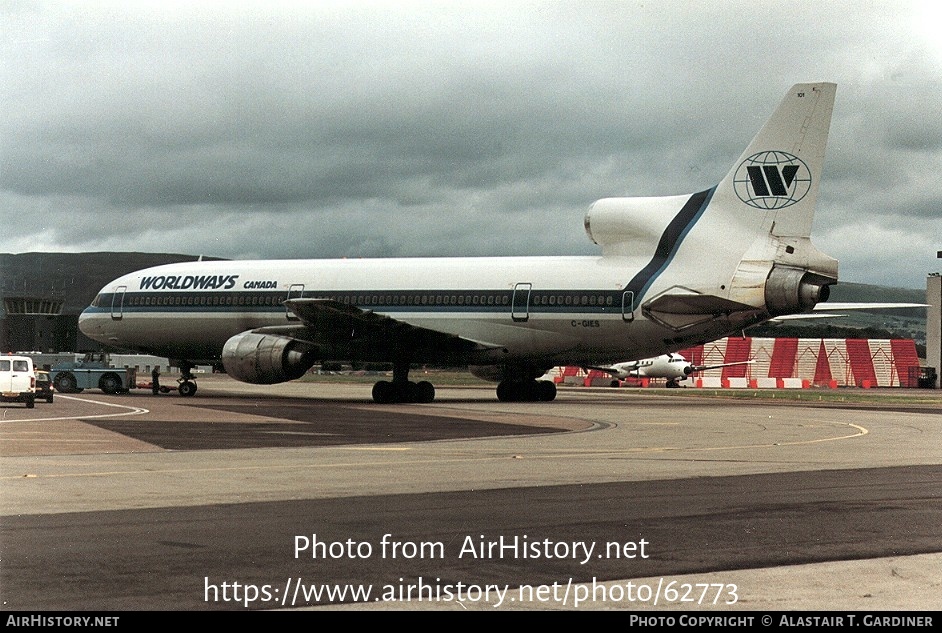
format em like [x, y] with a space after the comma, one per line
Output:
[186, 383]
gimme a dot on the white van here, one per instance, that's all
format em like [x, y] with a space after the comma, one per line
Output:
[17, 380]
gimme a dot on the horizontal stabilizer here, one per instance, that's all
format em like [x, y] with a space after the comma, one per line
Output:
[797, 317]
[827, 307]
[841, 307]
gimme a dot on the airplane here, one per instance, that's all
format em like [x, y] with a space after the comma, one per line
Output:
[674, 367]
[673, 272]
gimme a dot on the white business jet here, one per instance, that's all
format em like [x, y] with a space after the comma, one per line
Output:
[672, 272]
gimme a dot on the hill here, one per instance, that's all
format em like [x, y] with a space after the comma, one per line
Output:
[859, 293]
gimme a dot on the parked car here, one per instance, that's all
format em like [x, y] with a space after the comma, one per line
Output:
[17, 380]
[43, 385]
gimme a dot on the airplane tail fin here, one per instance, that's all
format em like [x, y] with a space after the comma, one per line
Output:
[766, 205]
[772, 189]
[746, 240]
[781, 168]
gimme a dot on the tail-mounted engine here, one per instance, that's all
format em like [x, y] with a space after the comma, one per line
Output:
[791, 290]
[264, 359]
[627, 226]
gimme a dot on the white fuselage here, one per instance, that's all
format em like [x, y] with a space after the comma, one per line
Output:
[558, 309]
[669, 366]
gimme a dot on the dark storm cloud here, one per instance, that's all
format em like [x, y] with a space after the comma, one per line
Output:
[433, 128]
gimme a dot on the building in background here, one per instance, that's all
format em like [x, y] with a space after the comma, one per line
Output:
[43, 294]
[934, 325]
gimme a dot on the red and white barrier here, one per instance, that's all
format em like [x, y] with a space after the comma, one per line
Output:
[785, 363]
[795, 363]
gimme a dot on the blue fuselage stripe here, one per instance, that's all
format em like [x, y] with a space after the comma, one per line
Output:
[388, 301]
[670, 242]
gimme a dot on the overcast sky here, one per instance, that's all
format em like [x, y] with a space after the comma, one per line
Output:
[374, 129]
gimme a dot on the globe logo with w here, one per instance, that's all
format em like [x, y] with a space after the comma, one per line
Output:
[772, 180]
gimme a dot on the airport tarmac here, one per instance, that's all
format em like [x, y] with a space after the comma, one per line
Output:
[271, 497]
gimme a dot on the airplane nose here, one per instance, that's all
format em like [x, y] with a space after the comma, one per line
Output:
[84, 323]
[92, 326]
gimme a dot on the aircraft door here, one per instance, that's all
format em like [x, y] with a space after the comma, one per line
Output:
[296, 291]
[628, 306]
[117, 303]
[520, 305]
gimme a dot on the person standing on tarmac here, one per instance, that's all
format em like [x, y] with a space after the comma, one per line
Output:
[155, 380]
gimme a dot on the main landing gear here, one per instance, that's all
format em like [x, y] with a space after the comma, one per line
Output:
[186, 382]
[401, 389]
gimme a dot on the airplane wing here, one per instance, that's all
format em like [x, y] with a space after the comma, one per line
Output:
[326, 321]
[696, 368]
[828, 307]
[608, 370]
